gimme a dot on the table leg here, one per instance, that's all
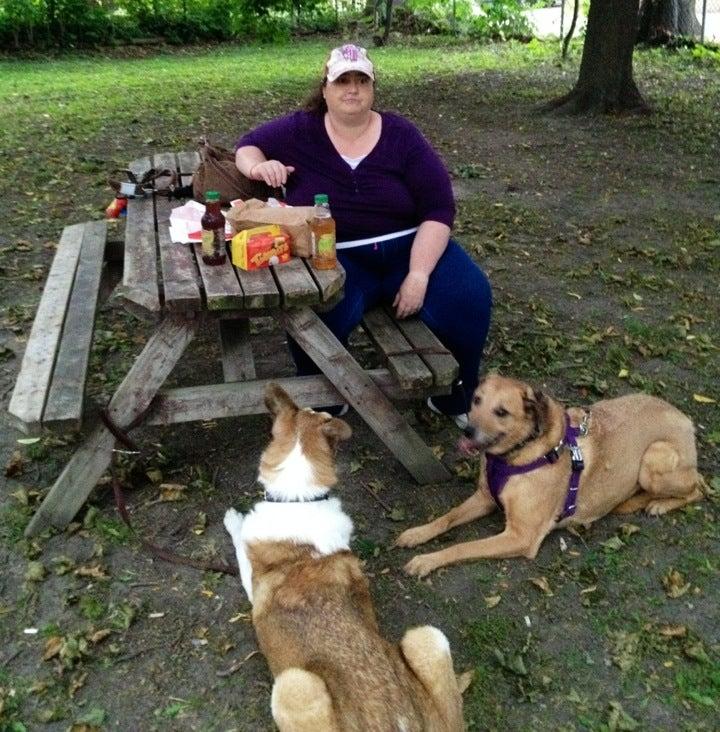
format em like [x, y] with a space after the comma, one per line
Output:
[349, 378]
[91, 460]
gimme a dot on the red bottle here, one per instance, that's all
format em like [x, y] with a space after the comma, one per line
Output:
[213, 231]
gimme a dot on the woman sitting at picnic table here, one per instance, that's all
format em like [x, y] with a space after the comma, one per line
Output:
[391, 198]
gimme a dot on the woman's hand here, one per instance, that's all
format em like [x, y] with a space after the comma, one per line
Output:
[273, 172]
[411, 295]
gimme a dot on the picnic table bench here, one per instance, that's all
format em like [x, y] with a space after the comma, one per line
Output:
[168, 285]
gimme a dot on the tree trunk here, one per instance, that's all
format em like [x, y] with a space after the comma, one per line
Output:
[664, 21]
[605, 82]
[388, 20]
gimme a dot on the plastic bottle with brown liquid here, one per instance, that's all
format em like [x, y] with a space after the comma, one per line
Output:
[213, 230]
[322, 230]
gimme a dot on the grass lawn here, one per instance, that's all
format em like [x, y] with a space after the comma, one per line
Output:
[601, 237]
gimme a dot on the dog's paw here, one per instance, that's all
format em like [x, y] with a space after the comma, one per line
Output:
[660, 506]
[413, 537]
[421, 565]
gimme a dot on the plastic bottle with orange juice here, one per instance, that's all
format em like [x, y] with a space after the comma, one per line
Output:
[322, 230]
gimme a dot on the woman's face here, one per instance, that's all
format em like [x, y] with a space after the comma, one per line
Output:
[351, 93]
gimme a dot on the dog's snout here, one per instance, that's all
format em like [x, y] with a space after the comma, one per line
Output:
[469, 432]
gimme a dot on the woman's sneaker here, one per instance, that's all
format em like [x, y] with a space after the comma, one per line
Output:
[461, 420]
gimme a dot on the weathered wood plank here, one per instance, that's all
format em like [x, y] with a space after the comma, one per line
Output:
[64, 406]
[222, 289]
[259, 287]
[237, 356]
[316, 339]
[131, 399]
[329, 281]
[409, 368]
[297, 287]
[139, 284]
[443, 365]
[31, 388]
[217, 401]
[180, 275]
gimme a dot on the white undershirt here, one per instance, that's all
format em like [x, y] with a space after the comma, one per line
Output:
[353, 162]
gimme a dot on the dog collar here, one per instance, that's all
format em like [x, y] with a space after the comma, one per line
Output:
[271, 499]
[498, 471]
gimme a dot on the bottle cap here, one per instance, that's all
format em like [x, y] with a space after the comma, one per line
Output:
[212, 196]
[320, 198]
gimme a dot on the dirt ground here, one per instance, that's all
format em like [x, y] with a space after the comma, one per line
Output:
[601, 237]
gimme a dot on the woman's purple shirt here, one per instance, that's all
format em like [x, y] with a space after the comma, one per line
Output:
[399, 184]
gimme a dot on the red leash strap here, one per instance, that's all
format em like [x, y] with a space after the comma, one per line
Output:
[161, 553]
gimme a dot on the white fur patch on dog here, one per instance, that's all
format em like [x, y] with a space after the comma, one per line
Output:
[321, 524]
[293, 479]
[440, 639]
[233, 523]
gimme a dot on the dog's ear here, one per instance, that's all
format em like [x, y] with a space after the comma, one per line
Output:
[536, 404]
[336, 430]
[278, 400]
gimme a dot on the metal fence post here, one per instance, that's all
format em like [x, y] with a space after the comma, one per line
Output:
[702, 23]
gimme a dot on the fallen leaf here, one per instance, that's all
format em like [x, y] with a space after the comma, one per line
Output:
[397, 514]
[625, 648]
[613, 544]
[95, 571]
[542, 584]
[620, 720]
[512, 662]
[674, 583]
[673, 631]
[697, 652]
[629, 529]
[492, 601]
[52, 647]
[15, 464]
[35, 572]
[28, 440]
[155, 475]
[77, 683]
[464, 680]
[702, 399]
[172, 492]
[200, 524]
[99, 635]
[623, 374]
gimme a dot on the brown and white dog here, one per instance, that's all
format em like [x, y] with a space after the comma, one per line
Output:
[312, 610]
[632, 452]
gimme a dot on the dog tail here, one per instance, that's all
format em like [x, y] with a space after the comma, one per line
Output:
[427, 652]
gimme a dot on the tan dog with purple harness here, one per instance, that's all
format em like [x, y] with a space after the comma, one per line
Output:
[548, 467]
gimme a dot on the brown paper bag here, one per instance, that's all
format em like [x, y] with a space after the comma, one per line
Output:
[294, 219]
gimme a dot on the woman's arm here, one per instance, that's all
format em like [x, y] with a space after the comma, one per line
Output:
[428, 246]
[251, 162]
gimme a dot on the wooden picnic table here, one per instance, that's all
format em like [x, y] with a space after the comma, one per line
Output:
[169, 285]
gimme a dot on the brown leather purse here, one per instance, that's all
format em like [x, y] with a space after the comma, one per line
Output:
[217, 172]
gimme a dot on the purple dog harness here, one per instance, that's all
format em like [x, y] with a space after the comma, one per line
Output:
[499, 471]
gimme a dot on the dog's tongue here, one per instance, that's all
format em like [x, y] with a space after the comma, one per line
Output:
[467, 447]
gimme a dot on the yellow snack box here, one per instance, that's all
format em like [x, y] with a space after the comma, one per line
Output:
[260, 247]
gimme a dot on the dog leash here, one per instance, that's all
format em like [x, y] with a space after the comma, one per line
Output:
[166, 555]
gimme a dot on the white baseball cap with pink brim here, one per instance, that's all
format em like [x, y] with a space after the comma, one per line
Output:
[349, 58]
